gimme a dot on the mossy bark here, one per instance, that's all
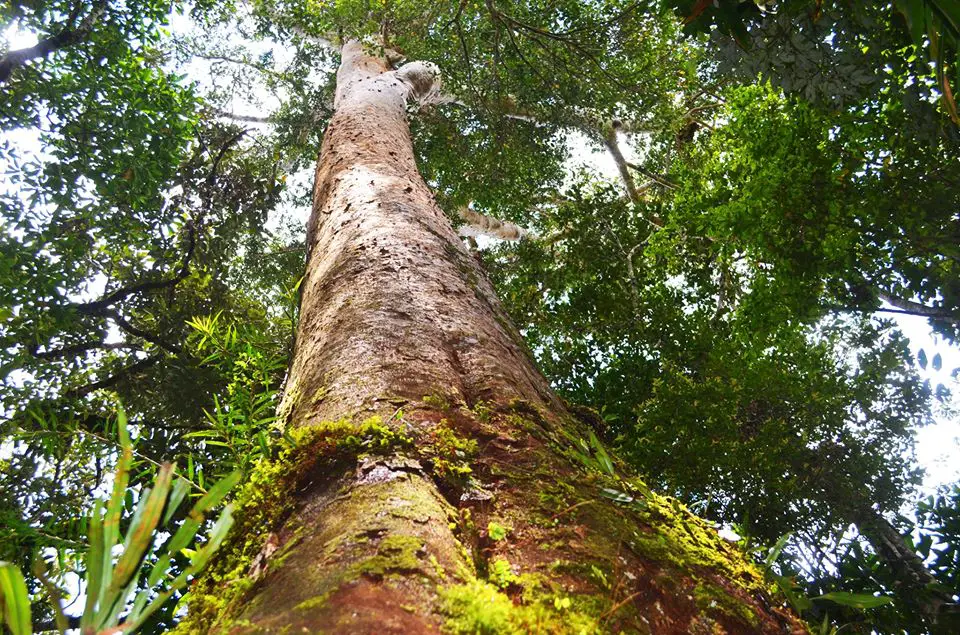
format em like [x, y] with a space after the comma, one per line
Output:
[454, 492]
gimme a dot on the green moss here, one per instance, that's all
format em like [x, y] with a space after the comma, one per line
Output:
[449, 453]
[437, 400]
[438, 569]
[496, 531]
[397, 552]
[501, 574]
[291, 396]
[689, 543]
[713, 599]
[597, 501]
[669, 534]
[319, 396]
[265, 501]
[479, 608]
[312, 603]
[483, 412]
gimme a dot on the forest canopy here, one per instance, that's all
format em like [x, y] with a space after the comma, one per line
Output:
[720, 303]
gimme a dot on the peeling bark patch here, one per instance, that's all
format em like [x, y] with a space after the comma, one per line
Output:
[383, 469]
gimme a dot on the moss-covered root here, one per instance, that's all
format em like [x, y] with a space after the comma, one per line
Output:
[480, 521]
[363, 554]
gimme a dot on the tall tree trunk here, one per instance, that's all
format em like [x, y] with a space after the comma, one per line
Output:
[438, 483]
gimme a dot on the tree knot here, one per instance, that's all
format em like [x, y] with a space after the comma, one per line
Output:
[423, 80]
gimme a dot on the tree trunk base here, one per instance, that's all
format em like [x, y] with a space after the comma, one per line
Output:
[490, 520]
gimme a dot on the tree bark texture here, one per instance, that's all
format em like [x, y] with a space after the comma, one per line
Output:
[439, 484]
[912, 576]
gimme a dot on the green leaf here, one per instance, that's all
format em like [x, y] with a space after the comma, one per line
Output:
[775, 551]
[138, 540]
[914, 12]
[855, 600]
[949, 11]
[603, 459]
[15, 600]
[94, 563]
[179, 492]
[216, 493]
[217, 535]
[616, 496]
[496, 531]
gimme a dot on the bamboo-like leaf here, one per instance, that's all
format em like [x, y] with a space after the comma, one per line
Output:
[15, 600]
[140, 534]
[914, 12]
[180, 489]
[133, 623]
[616, 496]
[949, 13]
[217, 535]
[220, 529]
[855, 600]
[184, 534]
[111, 586]
[138, 539]
[108, 617]
[774, 552]
[95, 560]
[602, 457]
[159, 569]
[138, 606]
[216, 493]
[111, 520]
[202, 434]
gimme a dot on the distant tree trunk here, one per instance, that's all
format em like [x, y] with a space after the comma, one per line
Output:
[908, 569]
[463, 496]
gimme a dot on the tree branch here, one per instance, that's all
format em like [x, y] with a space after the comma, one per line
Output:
[659, 180]
[481, 224]
[916, 308]
[65, 37]
[129, 328]
[98, 307]
[613, 146]
[74, 349]
[116, 378]
[235, 117]
[219, 57]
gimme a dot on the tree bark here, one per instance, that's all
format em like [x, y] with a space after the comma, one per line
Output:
[909, 570]
[476, 224]
[917, 308]
[455, 492]
[68, 36]
[613, 146]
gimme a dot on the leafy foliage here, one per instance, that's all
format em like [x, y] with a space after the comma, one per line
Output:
[111, 586]
[724, 323]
